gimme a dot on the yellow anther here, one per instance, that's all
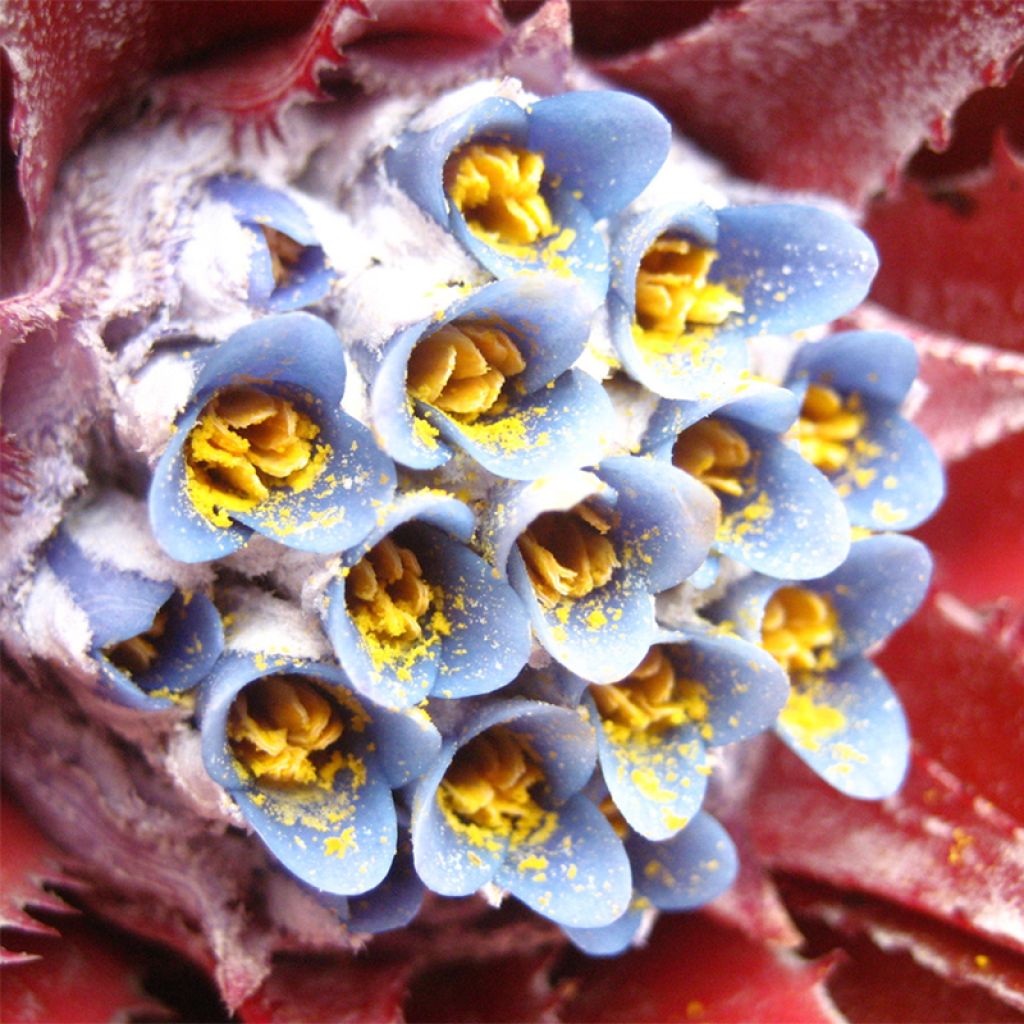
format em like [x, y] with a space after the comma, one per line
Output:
[828, 427]
[285, 254]
[567, 554]
[715, 453]
[386, 595]
[652, 698]
[245, 443]
[462, 369]
[674, 298]
[497, 190]
[280, 729]
[136, 655]
[492, 781]
[799, 629]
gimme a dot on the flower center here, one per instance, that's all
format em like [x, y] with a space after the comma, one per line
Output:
[285, 254]
[462, 369]
[135, 656]
[245, 443]
[651, 699]
[281, 728]
[567, 554]
[675, 303]
[828, 427]
[497, 190]
[714, 453]
[799, 628]
[491, 783]
[386, 595]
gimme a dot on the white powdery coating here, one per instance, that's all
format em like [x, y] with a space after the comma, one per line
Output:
[183, 762]
[114, 530]
[54, 627]
[262, 624]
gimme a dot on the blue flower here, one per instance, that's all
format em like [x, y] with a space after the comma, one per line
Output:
[263, 445]
[841, 716]
[395, 902]
[521, 188]
[503, 804]
[693, 689]
[690, 284]
[310, 766]
[851, 386]
[287, 266]
[493, 377]
[416, 613]
[682, 873]
[587, 552]
[151, 642]
[780, 516]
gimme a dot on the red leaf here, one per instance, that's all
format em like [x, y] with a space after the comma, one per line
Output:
[72, 63]
[835, 99]
[329, 990]
[951, 251]
[935, 847]
[912, 967]
[696, 969]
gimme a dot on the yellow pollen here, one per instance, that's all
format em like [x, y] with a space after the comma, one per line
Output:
[136, 655]
[828, 427]
[285, 253]
[497, 190]
[675, 303]
[652, 698]
[386, 595]
[799, 629]
[462, 368]
[715, 453]
[807, 719]
[490, 786]
[567, 554]
[245, 443]
[281, 728]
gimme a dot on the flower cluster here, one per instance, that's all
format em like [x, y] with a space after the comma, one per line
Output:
[489, 586]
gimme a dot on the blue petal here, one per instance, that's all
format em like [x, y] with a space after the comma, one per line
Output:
[796, 266]
[340, 840]
[746, 687]
[612, 938]
[789, 522]
[604, 635]
[452, 861]
[489, 638]
[898, 488]
[878, 364]
[867, 756]
[876, 589]
[417, 160]
[189, 648]
[256, 203]
[548, 319]
[657, 780]
[607, 145]
[177, 526]
[118, 605]
[562, 425]
[392, 904]
[267, 352]
[408, 742]
[577, 875]
[667, 519]
[687, 871]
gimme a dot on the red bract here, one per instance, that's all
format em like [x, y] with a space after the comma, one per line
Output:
[831, 97]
